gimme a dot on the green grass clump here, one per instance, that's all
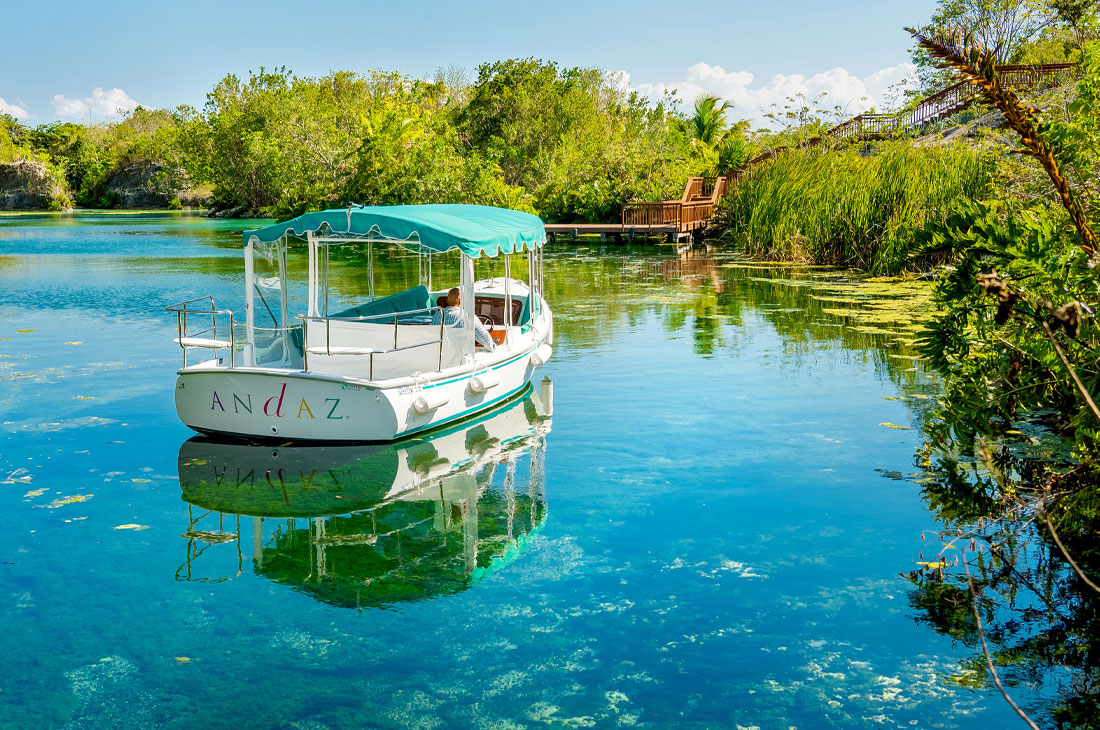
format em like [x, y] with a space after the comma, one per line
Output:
[850, 207]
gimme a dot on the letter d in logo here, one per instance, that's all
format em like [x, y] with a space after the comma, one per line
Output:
[279, 406]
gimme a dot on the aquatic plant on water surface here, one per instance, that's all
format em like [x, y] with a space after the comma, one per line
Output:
[1012, 453]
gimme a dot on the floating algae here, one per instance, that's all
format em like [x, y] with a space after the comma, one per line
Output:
[62, 501]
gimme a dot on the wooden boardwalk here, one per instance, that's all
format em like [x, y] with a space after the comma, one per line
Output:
[690, 215]
[615, 231]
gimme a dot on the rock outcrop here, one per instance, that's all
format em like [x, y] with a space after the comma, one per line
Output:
[28, 185]
[152, 185]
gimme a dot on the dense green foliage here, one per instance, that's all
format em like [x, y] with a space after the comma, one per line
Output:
[1014, 441]
[568, 143]
[976, 342]
[1018, 31]
[846, 208]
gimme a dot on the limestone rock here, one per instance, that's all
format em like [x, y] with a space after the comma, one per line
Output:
[28, 185]
[152, 185]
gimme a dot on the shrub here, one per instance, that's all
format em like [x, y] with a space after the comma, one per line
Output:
[849, 207]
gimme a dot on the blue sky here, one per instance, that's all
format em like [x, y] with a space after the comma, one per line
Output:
[79, 60]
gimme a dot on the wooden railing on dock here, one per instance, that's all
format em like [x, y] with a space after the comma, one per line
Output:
[693, 211]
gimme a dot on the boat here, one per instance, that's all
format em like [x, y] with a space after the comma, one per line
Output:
[391, 364]
[361, 525]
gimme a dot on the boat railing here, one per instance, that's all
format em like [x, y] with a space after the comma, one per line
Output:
[330, 350]
[208, 336]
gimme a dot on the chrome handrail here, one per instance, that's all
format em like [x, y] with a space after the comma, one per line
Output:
[358, 320]
[182, 310]
[387, 315]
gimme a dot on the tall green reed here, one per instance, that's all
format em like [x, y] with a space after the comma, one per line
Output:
[850, 206]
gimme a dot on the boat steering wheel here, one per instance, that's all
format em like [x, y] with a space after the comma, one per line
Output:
[487, 320]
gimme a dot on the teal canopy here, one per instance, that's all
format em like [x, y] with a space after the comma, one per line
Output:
[472, 229]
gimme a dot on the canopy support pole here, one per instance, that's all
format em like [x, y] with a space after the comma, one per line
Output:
[542, 279]
[249, 309]
[466, 283]
[323, 255]
[312, 244]
[531, 284]
[507, 300]
[283, 284]
[370, 271]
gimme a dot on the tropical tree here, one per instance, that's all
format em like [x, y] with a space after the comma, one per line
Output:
[722, 147]
[1077, 15]
[1014, 441]
[708, 121]
[734, 149]
[579, 142]
[1005, 27]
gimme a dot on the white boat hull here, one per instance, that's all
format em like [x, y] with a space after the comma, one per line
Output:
[294, 405]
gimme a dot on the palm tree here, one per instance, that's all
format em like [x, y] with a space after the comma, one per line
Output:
[726, 147]
[708, 122]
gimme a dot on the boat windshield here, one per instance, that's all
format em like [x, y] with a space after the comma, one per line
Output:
[279, 290]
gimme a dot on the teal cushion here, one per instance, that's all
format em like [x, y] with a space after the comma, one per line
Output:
[406, 301]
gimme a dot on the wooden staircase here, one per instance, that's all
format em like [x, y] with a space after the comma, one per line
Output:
[693, 211]
[688, 214]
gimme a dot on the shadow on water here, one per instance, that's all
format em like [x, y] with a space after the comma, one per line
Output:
[372, 525]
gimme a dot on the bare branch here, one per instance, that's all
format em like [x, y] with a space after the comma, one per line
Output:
[1072, 373]
[985, 649]
[1065, 554]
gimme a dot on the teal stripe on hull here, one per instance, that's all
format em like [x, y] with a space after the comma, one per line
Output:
[464, 414]
[498, 366]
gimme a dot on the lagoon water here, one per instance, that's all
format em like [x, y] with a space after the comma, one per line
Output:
[709, 531]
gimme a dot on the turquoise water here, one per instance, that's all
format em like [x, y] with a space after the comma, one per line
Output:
[698, 521]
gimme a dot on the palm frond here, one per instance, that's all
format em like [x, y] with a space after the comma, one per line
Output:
[958, 50]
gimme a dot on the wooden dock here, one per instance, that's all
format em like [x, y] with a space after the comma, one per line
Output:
[615, 231]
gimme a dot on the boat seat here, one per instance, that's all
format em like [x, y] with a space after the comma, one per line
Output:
[409, 300]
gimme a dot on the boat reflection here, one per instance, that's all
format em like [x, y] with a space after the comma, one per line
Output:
[370, 525]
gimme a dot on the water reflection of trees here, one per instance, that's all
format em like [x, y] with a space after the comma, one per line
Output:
[1039, 619]
[714, 297]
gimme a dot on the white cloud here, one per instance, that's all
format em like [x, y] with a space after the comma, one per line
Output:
[16, 110]
[619, 80]
[840, 88]
[100, 104]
